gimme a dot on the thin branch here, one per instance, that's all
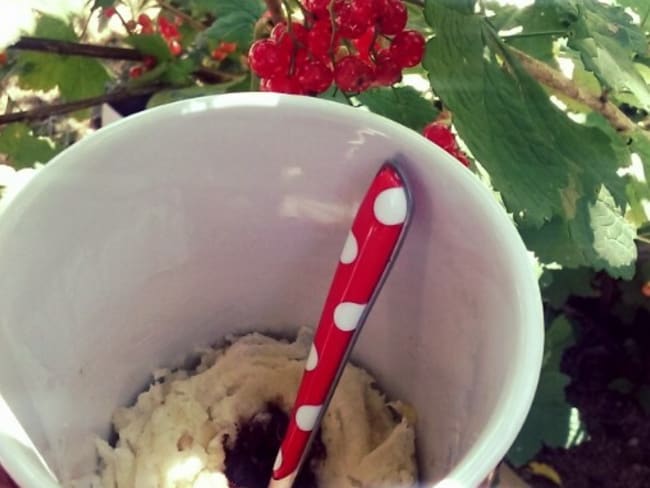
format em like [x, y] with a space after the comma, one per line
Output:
[187, 18]
[275, 10]
[76, 48]
[556, 80]
[67, 107]
[524, 35]
[417, 3]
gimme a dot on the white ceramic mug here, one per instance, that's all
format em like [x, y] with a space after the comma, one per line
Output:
[169, 229]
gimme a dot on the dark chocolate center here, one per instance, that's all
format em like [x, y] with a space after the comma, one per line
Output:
[249, 460]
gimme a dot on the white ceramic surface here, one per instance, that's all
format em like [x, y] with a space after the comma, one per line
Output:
[174, 227]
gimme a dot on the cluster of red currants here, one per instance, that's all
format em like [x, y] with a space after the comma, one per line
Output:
[144, 25]
[356, 44]
[440, 134]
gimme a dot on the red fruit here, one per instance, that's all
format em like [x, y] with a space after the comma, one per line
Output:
[319, 38]
[407, 48]
[645, 289]
[149, 62]
[143, 19]
[284, 84]
[317, 6]
[3, 58]
[174, 47]
[387, 71]
[392, 16]
[218, 54]
[460, 156]
[167, 29]
[441, 135]
[314, 76]
[364, 43]
[353, 17]
[147, 29]
[281, 37]
[135, 71]
[266, 59]
[228, 47]
[352, 74]
[299, 33]
[108, 12]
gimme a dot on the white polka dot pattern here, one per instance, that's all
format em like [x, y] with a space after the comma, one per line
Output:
[306, 416]
[390, 206]
[350, 249]
[312, 359]
[278, 460]
[347, 315]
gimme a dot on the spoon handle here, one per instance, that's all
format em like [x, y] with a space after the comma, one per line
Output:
[370, 249]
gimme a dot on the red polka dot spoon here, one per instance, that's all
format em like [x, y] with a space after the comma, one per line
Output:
[369, 251]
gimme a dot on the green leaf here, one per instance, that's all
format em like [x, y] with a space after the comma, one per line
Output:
[563, 283]
[608, 41]
[540, 161]
[103, 3]
[77, 77]
[641, 7]
[402, 104]
[168, 96]
[598, 236]
[54, 28]
[178, 73]
[22, 148]
[235, 21]
[551, 420]
[152, 45]
[534, 25]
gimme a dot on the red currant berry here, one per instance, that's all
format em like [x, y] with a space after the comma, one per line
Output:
[167, 29]
[174, 47]
[299, 32]
[364, 43]
[143, 19]
[392, 18]
[407, 48]
[266, 59]
[317, 6]
[149, 62]
[229, 47]
[108, 12]
[3, 58]
[441, 135]
[135, 71]
[284, 84]
[353, 75]
[314, 76]
[460, 156]
[218, 54]
[352, 18]
[387, 71]
[282, 39]
[319, 38]
[147, 29]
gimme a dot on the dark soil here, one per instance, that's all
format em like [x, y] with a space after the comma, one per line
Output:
[609, 367]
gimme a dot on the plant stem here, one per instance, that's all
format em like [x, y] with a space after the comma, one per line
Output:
[76, 48]
[187, 18]
[556, 80]
[67, 107]
[275, 9]
[524, 35]
[417, 3]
